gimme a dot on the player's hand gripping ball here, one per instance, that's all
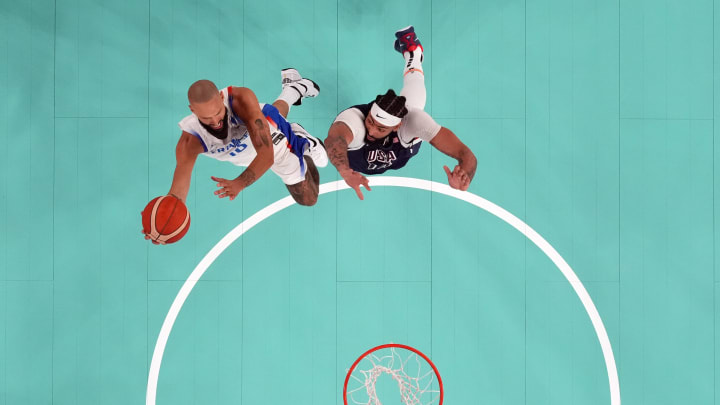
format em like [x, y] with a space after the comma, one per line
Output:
[165, 220]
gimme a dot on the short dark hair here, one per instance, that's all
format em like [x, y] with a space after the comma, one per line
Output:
[392, 104]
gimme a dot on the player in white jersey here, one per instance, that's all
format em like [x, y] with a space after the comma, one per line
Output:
[384, 134]
[231, 125]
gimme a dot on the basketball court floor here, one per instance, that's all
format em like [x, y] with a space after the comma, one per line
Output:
[585, 274]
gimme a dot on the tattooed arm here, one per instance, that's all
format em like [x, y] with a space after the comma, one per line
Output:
[246, 106]
[336, 145]
[448, 143]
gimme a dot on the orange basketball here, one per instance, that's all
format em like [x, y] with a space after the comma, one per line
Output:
[166, 219]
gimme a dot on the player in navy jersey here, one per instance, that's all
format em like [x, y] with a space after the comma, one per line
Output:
[231, 125]
[384, 134]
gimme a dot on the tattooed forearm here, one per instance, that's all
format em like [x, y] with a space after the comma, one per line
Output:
[260, 137]
[247, 177]
[261, 132]
[337, 151]
[468, 162]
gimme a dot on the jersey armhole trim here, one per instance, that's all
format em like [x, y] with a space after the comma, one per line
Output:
[196, 135]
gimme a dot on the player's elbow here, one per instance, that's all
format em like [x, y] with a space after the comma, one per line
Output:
[332, 136]
[466, 155]
[472, 157]
[338, 134]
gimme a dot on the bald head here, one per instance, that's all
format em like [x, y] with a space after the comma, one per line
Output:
[202, 91]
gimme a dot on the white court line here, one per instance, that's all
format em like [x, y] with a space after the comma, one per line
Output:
[408, 182]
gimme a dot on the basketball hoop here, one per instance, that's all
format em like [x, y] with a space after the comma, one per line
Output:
[417, 377]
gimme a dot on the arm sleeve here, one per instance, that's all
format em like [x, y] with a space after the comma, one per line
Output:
[354, 119]
[418, 124]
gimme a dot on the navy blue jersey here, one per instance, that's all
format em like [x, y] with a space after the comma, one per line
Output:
[385, 154]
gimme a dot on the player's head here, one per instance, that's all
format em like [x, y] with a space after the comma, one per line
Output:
[206, 102]
[385, 115]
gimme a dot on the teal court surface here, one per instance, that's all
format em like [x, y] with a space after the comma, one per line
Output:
[593, 126]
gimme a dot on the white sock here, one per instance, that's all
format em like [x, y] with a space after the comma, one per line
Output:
[414, 80]
[289, 95]
[413, 61]
[414, 90]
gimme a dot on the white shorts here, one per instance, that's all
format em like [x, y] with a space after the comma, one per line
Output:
[287, 164]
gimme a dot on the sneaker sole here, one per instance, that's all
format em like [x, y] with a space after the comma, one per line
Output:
[299, 102]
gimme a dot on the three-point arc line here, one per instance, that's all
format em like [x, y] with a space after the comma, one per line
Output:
[406, 182]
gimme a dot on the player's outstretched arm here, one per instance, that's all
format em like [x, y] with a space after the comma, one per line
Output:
[246, 106]
[448, 143]
[186, 152]
[336, 145]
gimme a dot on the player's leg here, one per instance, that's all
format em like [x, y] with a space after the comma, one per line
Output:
[306, 191]
[294, 89]
[302, 181]
[409, 46]
[316, 148]
[282, 106]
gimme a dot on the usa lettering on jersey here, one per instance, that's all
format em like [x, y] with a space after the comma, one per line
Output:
[379, 159]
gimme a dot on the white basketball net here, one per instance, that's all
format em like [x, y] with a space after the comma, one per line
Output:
[416, 384]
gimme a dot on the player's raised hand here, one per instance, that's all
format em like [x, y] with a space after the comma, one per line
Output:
[458, 178]
[355, 180]
[227, 188]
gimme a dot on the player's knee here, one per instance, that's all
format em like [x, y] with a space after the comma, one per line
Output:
[307, 199]
[304, 193]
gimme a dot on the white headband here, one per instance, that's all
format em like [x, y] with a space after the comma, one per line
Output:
[382, 117]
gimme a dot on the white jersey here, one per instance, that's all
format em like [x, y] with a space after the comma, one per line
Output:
[236, 148]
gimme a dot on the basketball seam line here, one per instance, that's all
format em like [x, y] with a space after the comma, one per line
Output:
[160, 233]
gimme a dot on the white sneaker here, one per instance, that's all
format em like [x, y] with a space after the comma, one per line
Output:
[316, 149]
[289, 75]
[305, 87]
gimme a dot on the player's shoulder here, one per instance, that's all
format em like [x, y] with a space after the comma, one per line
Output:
[418, 124]
[192, 132]
[239, 92]
[242, 98]
[354, 119]
[352, 113]
[416, 113]
[190, 124]
[190, 144]
[187, 121]
[417, 120]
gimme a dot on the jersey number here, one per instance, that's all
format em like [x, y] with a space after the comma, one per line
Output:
[241, 147]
